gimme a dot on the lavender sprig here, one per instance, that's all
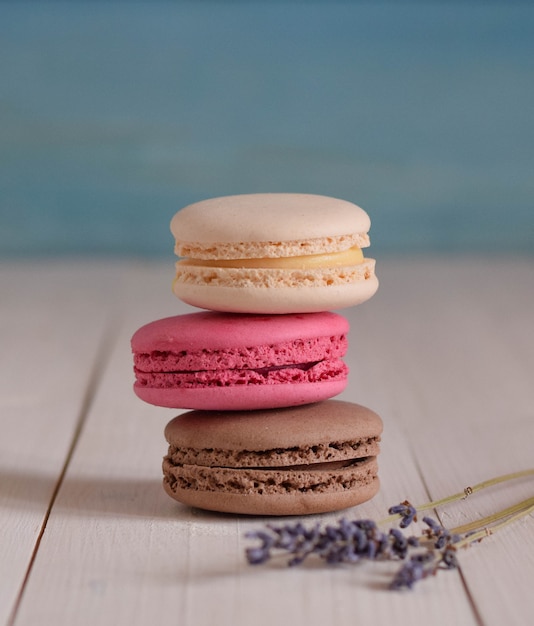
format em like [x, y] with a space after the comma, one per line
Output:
[422, 565]
[462, 495]
[407, 512]
[346, 542]
[351, 541]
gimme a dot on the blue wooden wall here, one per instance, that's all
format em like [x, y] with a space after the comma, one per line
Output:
[115, 115]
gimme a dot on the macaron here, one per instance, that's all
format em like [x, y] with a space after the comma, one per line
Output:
[273, 253]
[310, 459]
[227, 361]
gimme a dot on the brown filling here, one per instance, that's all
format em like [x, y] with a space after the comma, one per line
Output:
[276, 457]
[316, 478]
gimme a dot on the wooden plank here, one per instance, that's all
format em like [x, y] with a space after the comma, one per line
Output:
[422, 353]
[458, 353]
[53, 320]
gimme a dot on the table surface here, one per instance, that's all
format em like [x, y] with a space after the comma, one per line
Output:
[444, 353]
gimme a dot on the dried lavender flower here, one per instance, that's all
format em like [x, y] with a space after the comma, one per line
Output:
[400, 543]
[443, 536]
[346, 542]
[261, 553]
[448, 557]
[353, 541]
[350, 541]
[407, 512]
[416, 568]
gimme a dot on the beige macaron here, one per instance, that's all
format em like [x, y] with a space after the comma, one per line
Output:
[273, 253]
[310, 459]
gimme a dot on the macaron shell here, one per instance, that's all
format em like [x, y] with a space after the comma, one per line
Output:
[209, 330]
[328, 422]
[241, 397]
[247, 298]
[293, 502]
[268, 217]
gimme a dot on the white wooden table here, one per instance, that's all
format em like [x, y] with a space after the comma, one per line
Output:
[444, 352]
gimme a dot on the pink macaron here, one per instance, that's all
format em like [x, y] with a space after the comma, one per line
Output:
[227, 361]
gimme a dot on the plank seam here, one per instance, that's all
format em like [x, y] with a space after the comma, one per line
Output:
[102, 357]
[476, 613]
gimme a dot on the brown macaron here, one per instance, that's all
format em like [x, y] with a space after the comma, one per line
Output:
[314, 458]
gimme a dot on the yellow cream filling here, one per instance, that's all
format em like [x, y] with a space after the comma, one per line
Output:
[352, 256]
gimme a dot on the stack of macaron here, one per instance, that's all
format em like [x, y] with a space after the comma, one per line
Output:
[260, 363]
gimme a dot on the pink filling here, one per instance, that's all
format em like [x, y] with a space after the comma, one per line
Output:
[256, 357]
[328, 369]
